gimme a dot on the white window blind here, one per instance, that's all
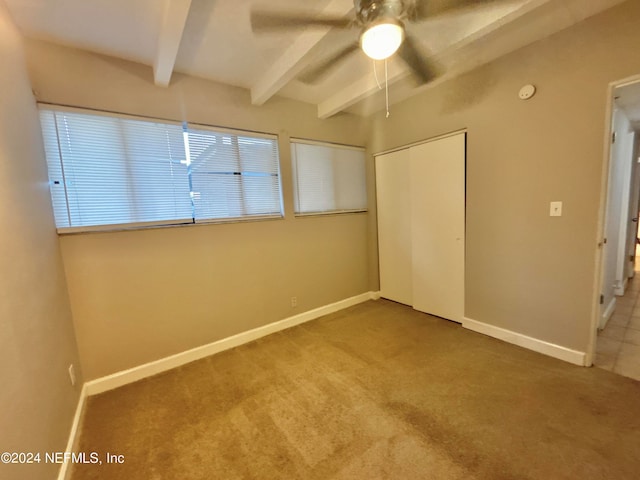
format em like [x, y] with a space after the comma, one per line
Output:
[108, 170]
[233, 176]
[328, 178]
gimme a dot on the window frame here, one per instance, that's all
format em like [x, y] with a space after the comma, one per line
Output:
[244, 133]
[305, 141]
[177, 222]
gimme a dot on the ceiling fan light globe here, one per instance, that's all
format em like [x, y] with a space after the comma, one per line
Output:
[381, 40]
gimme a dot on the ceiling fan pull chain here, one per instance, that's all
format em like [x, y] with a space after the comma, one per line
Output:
[375, 74]
[386, 86]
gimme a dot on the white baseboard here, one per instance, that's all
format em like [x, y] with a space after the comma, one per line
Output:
[573, 356]
[134, 374]
[64, 471]
[606, 315]
[620, 287]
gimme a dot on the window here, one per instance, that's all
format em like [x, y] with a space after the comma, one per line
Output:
[109, 171]
[233, 176]
[328, 178]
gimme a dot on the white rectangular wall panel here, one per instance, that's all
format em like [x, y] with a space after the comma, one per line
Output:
[437, 185]
[394, 226]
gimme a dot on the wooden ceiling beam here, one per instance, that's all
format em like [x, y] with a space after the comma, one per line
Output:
[450, 57]
[291, 62]
[173, 23]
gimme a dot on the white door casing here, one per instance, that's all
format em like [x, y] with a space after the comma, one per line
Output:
[394, 225]
[438, 226]
[421, 195]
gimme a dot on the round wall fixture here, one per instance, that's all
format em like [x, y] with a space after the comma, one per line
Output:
[527, 92]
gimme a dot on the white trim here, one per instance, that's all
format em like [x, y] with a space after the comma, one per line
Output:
[57, 107]
[606, 315]
[420, 142]
[64, 471]
[54, 107]
[557, 351]
[625, 284]
[169, 39]
[134, 374]
[232, 131]
[598, 278]
[320, 143]
[329, 212]
[125, 226]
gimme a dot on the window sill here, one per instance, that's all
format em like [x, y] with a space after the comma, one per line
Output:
[333, 212]
[152, 226]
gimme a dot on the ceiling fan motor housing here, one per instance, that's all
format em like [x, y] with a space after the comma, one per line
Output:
[382, 25]
[369, 12]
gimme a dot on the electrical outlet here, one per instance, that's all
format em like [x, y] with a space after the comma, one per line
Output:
[72, 375]
[294, 301]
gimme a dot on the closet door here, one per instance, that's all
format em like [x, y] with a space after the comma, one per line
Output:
[394, 225]
[438, 226]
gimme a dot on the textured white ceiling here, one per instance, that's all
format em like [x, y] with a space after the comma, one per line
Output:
[121, 28]
[217, 42]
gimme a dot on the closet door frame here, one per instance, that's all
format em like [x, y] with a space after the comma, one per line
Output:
[386, 254]
[393, 200]
[438, 210]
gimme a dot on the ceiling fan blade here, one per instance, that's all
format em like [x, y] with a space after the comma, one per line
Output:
[425, 70]
[319, 72]
[262, 21]
[431, 8]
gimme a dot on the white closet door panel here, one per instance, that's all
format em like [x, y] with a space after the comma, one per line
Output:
[394, 226]
[437, 172]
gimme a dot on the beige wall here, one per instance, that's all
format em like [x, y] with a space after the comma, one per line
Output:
[37, 344]
[142, 295]
[138, 296]
[525, 271]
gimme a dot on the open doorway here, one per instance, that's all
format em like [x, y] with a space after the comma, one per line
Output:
[617, 340]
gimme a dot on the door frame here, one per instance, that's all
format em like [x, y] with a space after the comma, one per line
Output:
[635, 204]
[602, 210]
[407, 147]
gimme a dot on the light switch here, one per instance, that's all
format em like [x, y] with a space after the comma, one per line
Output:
[555, 209]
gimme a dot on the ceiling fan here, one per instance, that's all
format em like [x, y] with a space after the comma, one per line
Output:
[382, 25]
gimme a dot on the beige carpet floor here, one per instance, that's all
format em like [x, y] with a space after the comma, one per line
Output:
[377, 391]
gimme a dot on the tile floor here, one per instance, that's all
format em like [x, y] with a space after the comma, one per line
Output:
[618, 345]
